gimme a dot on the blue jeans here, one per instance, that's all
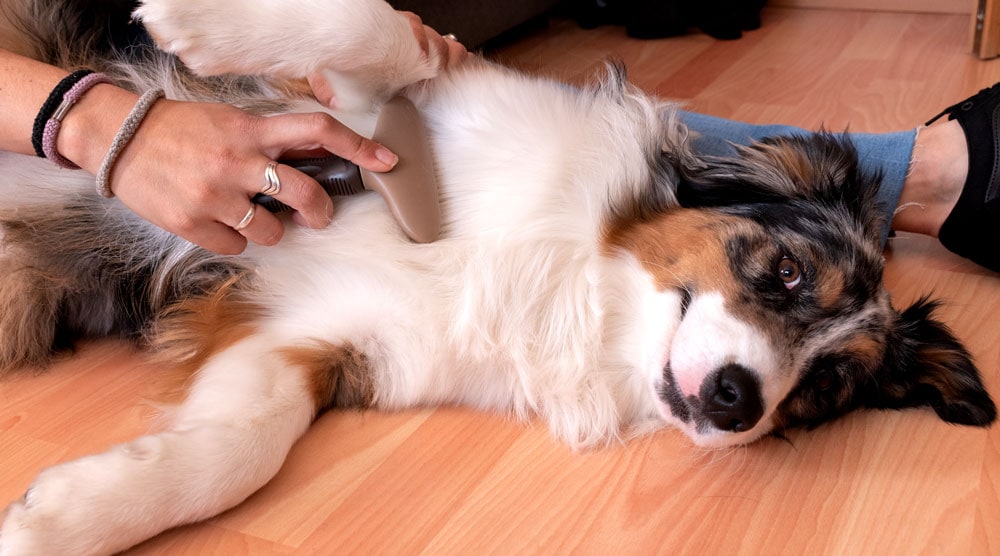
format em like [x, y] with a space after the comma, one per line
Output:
[888, 152]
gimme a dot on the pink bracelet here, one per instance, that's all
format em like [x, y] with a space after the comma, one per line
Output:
[52, 125]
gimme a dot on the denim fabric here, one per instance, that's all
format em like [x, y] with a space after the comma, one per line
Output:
[888, 152]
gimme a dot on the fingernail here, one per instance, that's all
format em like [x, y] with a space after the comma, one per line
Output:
[386, 156]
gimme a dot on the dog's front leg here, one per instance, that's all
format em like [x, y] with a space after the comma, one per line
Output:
[243, 413]
[370, 47]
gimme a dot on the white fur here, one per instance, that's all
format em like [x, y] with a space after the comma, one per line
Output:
[710, 337]
[517, 308]
[228, 439]
[363, 44]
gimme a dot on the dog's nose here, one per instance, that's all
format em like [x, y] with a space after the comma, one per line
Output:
[730, 398]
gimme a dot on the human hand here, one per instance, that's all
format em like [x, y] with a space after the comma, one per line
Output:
[450, 54]
[192, 168]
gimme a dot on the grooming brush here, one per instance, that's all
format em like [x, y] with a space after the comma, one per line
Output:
[409, 189]
[338, 177]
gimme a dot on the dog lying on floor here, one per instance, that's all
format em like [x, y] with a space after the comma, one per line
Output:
[591, 273]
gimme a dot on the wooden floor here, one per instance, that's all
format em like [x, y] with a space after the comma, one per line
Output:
[451, 481]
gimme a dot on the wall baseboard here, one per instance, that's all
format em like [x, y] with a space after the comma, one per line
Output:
[922, 6]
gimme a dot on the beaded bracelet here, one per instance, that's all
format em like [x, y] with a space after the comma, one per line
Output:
[49, 106]
[128, 128]
[52, 126]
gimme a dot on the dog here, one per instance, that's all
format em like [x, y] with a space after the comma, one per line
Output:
[592, 273]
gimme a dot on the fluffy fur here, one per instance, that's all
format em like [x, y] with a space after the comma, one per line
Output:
[579, 279]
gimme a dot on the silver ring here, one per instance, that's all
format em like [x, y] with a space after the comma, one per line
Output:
[247, 218]
[450, 36]
[272, 185]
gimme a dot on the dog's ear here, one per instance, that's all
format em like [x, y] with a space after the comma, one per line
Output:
[926, 365]
[814, 168]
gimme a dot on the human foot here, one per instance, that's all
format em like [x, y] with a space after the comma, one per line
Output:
[973, 227]
[938, 170]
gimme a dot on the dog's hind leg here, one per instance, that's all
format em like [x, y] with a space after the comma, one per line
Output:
[244, 409]
[365, 49]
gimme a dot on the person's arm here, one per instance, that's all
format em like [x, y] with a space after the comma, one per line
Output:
[24, 86]
[190, 168]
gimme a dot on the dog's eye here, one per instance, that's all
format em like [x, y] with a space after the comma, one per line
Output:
[823, 379]
[789, 272]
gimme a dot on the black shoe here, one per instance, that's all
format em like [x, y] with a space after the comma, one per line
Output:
[973, 227]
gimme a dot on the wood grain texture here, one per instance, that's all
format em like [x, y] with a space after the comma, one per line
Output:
[452, 481]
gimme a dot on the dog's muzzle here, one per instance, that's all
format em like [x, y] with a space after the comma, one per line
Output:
[729, 399]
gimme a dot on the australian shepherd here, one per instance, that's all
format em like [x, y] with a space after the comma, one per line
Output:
[592, 273]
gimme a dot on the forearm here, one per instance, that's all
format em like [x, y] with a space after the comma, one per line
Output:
[87, 129]
[24, 86]
[192, 168]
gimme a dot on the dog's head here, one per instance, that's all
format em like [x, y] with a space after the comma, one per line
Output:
[783, 321]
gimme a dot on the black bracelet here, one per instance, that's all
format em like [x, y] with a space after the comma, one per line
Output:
[51, 103]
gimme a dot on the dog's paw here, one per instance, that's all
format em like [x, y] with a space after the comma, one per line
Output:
[20, 534]
[365, 39]
[69, 509]
[193, 31]
[48, 520]
[29, 528]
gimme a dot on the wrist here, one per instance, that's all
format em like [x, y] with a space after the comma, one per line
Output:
[90, 126]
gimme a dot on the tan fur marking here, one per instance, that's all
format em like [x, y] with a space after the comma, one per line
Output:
[938, 362]
[795, 162]
[682, 247]
[829, 288]
[195, 329]
[789, 161]
[865, 348]
[338, 376]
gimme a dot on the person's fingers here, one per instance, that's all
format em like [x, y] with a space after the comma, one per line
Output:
[302, 193]
[217, 237]
[263, 228]
[457, 53]
[436, 44]
[321, 89]
[320, 130]
[449, 50]
[417, 25]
